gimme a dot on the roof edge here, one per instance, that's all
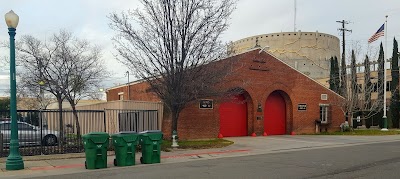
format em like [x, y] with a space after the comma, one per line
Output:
[263, 50]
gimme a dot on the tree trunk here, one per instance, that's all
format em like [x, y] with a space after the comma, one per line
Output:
[60, 116]
[175, 116]
[78, 126]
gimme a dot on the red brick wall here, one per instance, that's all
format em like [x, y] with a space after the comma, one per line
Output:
[137, 91]
[259, 75]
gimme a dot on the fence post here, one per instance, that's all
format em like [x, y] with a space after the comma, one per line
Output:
[158, 122]
[1, 144]
[41, 131]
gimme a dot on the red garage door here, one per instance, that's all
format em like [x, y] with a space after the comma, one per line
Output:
[233, 117]
[275, 114]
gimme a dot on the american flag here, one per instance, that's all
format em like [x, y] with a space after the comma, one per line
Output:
[379, 33]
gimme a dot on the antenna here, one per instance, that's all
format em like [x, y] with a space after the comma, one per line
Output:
[295, 13]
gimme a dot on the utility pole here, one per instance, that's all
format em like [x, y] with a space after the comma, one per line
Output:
[343, 77]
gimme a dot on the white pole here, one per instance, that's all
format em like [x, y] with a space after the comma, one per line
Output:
[384, 128]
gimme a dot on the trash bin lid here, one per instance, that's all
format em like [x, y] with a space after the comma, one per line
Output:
[127, 132]
[150, 131]
[93, 134]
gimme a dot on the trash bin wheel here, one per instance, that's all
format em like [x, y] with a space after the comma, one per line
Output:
[85, 165]
[115, 162]
[141, 160]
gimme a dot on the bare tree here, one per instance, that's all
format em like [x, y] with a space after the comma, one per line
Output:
[32, 98]
[64, 66]
[172, 45]
[360, 89]
[81, 67]
[35, 56]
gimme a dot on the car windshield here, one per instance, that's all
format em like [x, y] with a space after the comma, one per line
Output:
[23, 126]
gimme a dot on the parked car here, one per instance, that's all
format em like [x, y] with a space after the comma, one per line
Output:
[28, 134]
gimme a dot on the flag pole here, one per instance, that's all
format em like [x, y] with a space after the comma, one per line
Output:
[384, 128]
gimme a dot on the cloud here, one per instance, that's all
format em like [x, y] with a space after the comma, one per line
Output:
[88, 19]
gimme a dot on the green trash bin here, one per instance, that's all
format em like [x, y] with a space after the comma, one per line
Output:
[150, 141]
[125, 147]
[96, 144]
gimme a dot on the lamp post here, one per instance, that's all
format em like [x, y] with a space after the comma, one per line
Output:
[384, 118]
[14, 159]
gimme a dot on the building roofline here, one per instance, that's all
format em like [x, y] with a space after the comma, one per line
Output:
[246, 51]
[263, 50]
[126, 84]
[254, 36]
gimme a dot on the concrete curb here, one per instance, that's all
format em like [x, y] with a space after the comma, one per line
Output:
[54, 157]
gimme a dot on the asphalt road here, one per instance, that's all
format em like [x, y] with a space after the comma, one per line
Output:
[362, 161]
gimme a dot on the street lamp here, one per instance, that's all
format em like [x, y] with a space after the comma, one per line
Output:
[384, 128]
[14, 160]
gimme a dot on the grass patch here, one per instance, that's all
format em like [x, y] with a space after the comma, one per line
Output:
[197, 144]
[365, 132]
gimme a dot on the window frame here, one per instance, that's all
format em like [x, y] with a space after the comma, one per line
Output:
[324, 113]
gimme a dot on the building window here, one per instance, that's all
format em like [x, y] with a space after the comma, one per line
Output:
[324, 113]
[375, 87]
[359, 88]
[324, 97]
[361, 69]
[388, 88]
[121, 96]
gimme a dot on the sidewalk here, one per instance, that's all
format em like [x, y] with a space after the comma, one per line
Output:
[243, 146]
[75, 163]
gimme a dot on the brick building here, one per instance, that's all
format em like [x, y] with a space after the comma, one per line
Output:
[276, 100]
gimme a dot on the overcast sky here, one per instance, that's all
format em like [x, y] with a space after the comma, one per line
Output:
[88, 19]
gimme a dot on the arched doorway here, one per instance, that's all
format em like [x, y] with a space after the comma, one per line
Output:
[233, 117]
[275, 114]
